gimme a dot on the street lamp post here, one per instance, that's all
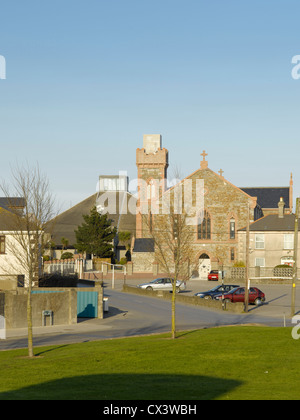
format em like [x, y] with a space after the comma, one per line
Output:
[295, 258]
[247, 259]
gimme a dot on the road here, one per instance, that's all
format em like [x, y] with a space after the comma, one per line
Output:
[132, 315]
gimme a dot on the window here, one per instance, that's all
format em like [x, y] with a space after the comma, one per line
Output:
[232, 228]
[288, 241]
[240, 291]
[204, 226]
[259, 241]
[113, 183]
[259, 262]
[150, 222]
[175, 227]
[232, 254]
[2, 244]
[151, 189]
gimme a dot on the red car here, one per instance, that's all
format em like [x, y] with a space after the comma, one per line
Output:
[256, 296]
[213, 275]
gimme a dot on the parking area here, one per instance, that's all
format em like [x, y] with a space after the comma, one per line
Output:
[278, 296]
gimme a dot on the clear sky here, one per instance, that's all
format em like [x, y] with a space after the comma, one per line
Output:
[85, 79]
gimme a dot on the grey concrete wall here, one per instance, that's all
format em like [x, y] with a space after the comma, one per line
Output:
[62, 301]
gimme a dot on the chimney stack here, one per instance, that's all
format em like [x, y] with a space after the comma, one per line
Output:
[281, 205]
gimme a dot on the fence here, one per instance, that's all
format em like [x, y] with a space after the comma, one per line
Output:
[113, 268]
[67, 267]
[84, 269]
[239, 273]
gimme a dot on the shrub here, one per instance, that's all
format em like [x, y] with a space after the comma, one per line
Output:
[239, 264]
[66, 256]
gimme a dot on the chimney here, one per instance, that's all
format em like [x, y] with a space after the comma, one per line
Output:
[281, 205]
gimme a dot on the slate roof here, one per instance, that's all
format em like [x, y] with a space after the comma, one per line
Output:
[268, 197]
[67, 222]
[143, 245]
[273, 223]
[8, 222]
[12, 202]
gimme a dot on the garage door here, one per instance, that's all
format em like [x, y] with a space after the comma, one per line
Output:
[87, 304]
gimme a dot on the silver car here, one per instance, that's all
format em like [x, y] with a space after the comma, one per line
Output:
[163, 283]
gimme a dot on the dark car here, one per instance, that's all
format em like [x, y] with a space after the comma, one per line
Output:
[222, 288]
[256, 296]
[213, 275]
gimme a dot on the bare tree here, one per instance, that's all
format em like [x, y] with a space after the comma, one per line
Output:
[173, 236]
[28, 223]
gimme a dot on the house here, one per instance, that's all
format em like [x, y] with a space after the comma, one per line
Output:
[267, 198]
[221, 209]
[12, 272]
[271, 242]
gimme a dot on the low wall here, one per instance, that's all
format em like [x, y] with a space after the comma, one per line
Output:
[62, 301]
[191, 300]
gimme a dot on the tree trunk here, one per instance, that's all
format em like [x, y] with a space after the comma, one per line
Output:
[29, 320]
[173, 311]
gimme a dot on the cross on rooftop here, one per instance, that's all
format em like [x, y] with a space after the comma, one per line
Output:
[204, 154]
[203, 163]
[221, 172]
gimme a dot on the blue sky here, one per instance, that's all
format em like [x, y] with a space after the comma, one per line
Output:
[86, 79]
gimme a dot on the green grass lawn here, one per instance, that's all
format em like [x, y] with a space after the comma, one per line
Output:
[219, 363]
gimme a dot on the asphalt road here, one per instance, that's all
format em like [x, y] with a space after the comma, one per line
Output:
[132, 315]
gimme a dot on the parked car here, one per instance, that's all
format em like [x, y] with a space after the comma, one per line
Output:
[256, 296]
[213, 275]
[221, 288]
[163, 283]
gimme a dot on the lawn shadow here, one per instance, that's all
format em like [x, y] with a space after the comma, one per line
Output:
[127, 387]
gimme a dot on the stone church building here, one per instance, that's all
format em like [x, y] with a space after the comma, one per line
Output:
[225, 208]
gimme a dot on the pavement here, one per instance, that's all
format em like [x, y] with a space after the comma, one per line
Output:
[82, 326]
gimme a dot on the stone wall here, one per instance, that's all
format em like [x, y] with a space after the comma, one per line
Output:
[192, 300]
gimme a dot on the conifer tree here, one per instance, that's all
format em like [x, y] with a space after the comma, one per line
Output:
[95, 236]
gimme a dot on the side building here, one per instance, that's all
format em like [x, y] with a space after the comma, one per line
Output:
[113, 199]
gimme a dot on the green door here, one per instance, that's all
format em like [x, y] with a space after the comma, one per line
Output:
[87, 304]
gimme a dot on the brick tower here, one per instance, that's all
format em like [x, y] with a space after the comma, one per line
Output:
[152, 164]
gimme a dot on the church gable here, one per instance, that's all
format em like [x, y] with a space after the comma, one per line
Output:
[223, 203]
[219, 193]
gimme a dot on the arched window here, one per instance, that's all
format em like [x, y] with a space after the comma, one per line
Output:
[204, 226]
[151, 190]
[232, 228]
[150, 222]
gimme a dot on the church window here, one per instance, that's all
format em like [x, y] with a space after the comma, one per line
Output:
[150, 222]
[232, 228]
[151, 190]
[204, 226]
[2, 244]
[232, 254]
[175, 227]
